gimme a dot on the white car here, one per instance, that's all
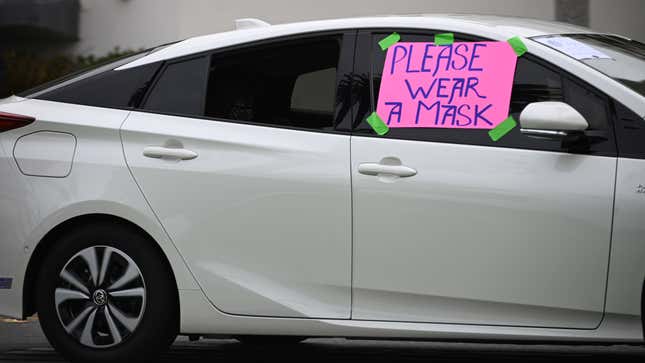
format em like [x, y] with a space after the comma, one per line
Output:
[229, 186]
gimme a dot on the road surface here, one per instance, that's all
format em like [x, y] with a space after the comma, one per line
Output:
[24, 342]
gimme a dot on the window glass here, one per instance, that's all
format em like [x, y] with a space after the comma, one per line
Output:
[591, 106]
[534, 81]
[630, 131]
[81, 75]
[619, 58]
[311, 93]
[88, 72]
[287, 84]
[180, 88]
[114, 89]
[537, 82]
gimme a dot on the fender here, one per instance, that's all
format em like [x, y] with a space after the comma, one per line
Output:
[88, 211]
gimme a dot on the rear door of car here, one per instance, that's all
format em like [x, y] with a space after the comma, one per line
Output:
[514, 232]
[242, 156]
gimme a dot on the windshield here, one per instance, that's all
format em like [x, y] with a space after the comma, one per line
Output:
[619, 58]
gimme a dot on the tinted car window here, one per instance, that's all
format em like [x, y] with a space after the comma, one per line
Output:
[81, 74]
[314, 92]
[53, 90]
[590, 104]
[114, 89]
[289, 84]
[180, 88]
[534, 81]
[630, 132]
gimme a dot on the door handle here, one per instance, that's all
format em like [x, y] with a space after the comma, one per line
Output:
[159, 152]
[377, 169]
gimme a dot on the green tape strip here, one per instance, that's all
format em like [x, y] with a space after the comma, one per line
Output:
[377, 124]
[502, 129]
[518, 45]
[389, 41]
[444, 39]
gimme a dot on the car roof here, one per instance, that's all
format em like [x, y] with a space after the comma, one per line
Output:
[487, 26]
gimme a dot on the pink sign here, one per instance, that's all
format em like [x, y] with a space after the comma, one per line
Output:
[462, 85]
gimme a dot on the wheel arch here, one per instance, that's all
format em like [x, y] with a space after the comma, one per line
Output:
[49, 239]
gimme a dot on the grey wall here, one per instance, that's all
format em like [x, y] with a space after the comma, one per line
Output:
[144, 23]
[625, 17]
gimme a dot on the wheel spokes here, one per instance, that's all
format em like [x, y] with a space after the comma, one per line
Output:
[79, 319]
[136, 292]
[90, 258]
[130, 274]
[74, 281]
[104, 265]
[61, 295]
[88, 330]
[128, 322]
[114, 331]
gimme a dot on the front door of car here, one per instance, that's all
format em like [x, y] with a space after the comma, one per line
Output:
[514, 232]
[241, 159]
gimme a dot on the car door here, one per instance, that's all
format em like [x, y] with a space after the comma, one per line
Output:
[239, 155]
[514, 233]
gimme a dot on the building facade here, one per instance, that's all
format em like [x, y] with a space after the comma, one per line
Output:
[98, 26]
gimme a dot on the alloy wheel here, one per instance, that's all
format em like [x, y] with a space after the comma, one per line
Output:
[100, 297]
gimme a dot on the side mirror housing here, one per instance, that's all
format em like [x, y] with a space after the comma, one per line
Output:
[553, 120]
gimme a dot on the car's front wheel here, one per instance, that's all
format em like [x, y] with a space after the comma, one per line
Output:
[104, 294]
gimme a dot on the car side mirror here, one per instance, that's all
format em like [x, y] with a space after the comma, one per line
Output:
[551, 120]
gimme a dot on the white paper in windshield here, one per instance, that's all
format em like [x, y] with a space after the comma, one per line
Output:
[573, 48]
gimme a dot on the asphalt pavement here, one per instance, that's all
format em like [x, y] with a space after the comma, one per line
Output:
[24, 342]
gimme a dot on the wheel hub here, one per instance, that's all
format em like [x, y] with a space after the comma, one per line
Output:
[100, 297]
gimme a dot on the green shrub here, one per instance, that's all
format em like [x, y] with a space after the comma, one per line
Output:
[20, 71]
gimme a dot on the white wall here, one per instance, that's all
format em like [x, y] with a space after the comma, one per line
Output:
[134, 24]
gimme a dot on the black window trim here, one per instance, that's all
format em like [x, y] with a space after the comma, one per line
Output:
[348, 47]
[364, 63]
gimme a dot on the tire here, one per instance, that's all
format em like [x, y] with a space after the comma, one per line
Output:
[132, 314]
[269, 339]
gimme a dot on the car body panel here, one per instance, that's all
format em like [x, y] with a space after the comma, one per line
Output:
[262, 215]
[481, 235]
[99, 183]
[45, 153]
[201, 318]
[12, 212]
[627, 264]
